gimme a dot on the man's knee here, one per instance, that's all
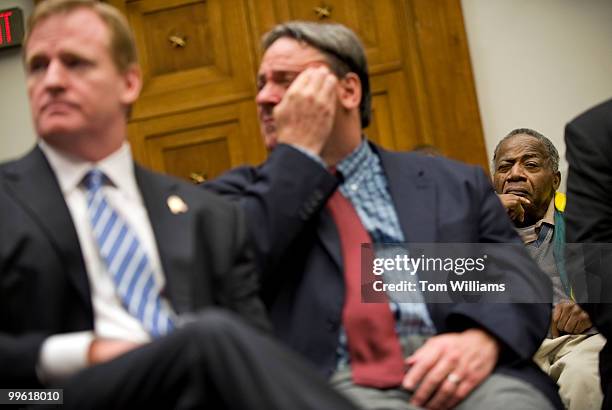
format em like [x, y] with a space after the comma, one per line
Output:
[579, 373]
[502, 391]
[579, 364]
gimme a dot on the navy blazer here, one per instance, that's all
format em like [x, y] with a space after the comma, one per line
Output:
[44, 288]
[436, 200]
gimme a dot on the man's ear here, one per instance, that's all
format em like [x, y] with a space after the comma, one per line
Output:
[556, 180]
[349, 91]
[132, 84]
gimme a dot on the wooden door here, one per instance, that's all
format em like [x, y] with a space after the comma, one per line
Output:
[197, 116]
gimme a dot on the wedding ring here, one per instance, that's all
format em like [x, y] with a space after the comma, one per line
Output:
[453, 378]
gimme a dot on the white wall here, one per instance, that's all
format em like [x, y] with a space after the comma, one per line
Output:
[16, 135]
[538, 63]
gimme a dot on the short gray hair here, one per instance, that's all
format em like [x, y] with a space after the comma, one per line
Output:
[340, 46]
[551, 151]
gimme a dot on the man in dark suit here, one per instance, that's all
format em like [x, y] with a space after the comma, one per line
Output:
[313, 101]
[588, 140]
[112, 278]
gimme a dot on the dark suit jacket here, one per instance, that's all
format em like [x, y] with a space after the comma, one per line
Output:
[588, 215]
[44, 288]
[437, 200]
[589, 199]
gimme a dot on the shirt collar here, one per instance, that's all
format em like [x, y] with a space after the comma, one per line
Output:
[530, 233]
[362, 156]
[70, 170]
[549, 216]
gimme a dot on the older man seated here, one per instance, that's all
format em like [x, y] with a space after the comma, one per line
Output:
[526, 177]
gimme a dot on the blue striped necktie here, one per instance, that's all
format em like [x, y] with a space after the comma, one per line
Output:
[126, 261]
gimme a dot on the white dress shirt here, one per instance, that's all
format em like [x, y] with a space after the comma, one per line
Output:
[63, 355]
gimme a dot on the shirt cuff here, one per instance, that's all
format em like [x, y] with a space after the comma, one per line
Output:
[310, 155]
[63, 355]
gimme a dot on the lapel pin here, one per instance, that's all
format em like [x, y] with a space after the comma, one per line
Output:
[177, 205]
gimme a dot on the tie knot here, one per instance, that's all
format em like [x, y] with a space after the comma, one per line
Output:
[94, 179]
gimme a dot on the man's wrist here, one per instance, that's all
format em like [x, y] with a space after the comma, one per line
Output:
[63, 355]
[310, 154]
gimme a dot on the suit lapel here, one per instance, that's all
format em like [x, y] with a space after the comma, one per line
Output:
[35, 186]
[328, 233]
[174, 235]
[413, 195]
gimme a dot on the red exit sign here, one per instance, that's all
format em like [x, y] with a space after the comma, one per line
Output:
[11, 27]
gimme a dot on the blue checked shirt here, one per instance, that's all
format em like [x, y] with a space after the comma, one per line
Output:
[366, 186]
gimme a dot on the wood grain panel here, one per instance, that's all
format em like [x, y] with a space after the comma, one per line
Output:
[393, 116]
[194, 158]
[215, 65]
[372, 20]
[194, 30]
[207, 141]
[447, 80]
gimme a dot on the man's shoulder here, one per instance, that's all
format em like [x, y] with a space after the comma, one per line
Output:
[171, 185]
[440, 169]
[447, 167]
[18, 164]
[593, 125]
[601, 112]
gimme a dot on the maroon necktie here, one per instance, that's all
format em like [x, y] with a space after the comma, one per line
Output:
[376, 355]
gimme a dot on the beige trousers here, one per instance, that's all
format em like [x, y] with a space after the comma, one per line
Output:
[572, 362]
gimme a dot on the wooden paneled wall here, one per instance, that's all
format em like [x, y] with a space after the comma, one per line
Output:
[197, 117]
